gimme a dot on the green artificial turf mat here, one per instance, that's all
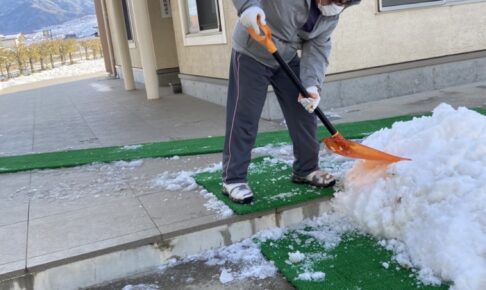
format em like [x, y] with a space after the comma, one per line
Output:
[357, 262]
[70, 158]
[271, 185]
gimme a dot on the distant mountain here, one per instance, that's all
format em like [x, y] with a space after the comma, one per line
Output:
[29, 15]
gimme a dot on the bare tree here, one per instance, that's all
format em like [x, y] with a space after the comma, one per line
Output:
[61, 50]
[1, 66]
[33, 55]
[70, 46]
[53, 50]
[7, 57]
[44, 52]
[2, 63]
[95, 46]
[85, 45]
[21, 56]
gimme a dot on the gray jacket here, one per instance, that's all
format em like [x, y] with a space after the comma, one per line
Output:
[286, 19]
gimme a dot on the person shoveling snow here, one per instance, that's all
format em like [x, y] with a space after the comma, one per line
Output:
[252, 70]
[436, 204]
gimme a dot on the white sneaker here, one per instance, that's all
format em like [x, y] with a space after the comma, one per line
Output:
[238, 192]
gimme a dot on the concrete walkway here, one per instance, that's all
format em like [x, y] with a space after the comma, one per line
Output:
[67, 227]
[98, 112]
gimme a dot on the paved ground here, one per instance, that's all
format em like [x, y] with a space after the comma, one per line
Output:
[44, 215]
[99, 112]
[471, 96]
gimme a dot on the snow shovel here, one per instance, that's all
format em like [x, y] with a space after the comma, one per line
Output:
[336, 142]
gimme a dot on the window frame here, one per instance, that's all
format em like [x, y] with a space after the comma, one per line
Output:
[424, 5]
[205, 37]
[129, 3]
[382, 8]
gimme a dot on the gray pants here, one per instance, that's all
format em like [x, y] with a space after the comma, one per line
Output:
[248, 84]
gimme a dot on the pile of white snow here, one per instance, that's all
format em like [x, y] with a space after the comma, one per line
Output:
[432, 210]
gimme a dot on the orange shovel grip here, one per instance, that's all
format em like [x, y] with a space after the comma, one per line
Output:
[265, 39]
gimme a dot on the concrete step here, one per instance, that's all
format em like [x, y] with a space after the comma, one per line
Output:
[118, 261]
[77, 227]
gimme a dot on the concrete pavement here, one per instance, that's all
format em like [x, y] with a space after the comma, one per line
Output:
[98, 112]
[71, 224]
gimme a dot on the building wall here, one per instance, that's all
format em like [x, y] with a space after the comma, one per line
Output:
[8, 43]
[163, 35]
[134, 55]
[206, 60]
[12, 41]
[364, 38]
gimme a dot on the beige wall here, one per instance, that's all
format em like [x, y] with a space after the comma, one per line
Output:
[364, 38]
[134, 53]
[135, 56]
[163, 35]
[207, 60]
[164, 39]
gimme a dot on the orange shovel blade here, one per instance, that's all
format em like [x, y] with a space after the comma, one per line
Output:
[341, 146]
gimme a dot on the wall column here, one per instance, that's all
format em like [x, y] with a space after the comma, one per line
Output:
[120, 39]
[108, 34]
[146, 48]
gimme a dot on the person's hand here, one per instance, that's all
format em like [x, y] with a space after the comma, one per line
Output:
[249, 18]
[310, 104]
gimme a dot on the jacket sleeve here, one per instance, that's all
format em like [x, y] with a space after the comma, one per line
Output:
[242, 5]
[314, 60]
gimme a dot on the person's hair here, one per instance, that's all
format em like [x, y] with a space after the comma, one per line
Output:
[352, 2]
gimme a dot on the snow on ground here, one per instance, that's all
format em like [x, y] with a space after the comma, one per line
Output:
[243, 260]
[100, 87]
[236, 262]
[90, 181]
[431, 210]
[83, 67]
[182, 181]
[141, 287]
[296, 257]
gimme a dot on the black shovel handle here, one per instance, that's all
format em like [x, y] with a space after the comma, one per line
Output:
[304, 92]
[266, 41]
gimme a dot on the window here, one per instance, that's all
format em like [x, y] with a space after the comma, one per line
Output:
[386, 5]
[202, 21]
[203, 15]
[128, 24]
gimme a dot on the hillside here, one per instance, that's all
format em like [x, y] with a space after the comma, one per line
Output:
[29, 15]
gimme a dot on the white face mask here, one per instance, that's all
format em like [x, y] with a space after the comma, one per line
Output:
[331, 9]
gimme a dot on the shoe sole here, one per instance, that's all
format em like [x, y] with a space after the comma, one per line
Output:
[243, 201]
[304, 181]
